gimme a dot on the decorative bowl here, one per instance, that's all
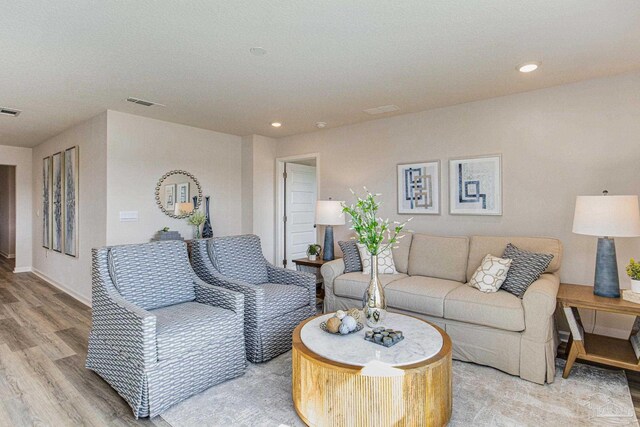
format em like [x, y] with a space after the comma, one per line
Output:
[358, 328]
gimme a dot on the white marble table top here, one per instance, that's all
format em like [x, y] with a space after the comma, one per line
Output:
[421, 341]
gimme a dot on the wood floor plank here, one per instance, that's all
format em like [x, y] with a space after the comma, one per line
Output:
[6, 297]
[76, 339]
[15, 336]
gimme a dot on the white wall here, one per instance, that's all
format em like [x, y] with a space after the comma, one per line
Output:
[259, 190]
[7, 211]
[69, 273]
[141, 150]
[21, 159]
[556, 143]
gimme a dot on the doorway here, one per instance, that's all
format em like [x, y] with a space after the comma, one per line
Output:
[7, 216]
[296, 204]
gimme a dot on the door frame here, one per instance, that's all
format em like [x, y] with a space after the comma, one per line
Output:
[280, 197]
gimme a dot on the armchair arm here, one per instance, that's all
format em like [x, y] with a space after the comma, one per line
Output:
[124, 326]
[329, 272]
[294, 278]
[539, 302]
[219, 297]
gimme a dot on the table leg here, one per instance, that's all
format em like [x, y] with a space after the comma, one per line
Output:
[576, 339]
[571, 358]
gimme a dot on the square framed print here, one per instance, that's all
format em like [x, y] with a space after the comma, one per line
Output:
[475, 185]
[183, 193]
[419, 188]
[56, 166]
[46, 202]
[170, 197]
[71, 191]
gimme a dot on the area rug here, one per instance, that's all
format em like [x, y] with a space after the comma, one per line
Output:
[482, 396]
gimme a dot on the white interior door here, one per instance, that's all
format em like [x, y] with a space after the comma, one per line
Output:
[300, 210]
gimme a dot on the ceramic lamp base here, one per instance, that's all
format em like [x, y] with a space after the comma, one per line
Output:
[606, 282]
[328, 243]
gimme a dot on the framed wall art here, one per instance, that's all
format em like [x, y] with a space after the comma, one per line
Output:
[475, 185]
[46, 202]
[57, 235]
[419, 188]
[71, 201]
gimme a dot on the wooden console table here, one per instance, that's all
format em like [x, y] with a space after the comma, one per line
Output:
[596, 348]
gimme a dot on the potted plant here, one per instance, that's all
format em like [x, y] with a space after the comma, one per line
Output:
[633, 271]
[313, 251]
[196, 219]
[377, 235]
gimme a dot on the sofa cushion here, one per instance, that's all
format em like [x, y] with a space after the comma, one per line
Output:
[152, 275]
[500, 309]
[350, 256]
[525, 269]
[353, 285]
[441, 257]
[401, 252]
[191, 327]
[385, 260]
[483, 245]
[424, 295]
[281, 299]
[239, 257]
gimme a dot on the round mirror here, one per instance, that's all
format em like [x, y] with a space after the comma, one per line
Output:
[178, 194]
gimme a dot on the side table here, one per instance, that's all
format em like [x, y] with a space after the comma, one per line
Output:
[313, 267]
[582, 345]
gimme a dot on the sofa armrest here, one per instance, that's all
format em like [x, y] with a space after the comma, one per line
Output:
[219, 297]
[329, 272]
[539, 303]
[294, 278]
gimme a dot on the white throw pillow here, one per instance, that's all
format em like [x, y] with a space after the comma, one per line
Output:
[491, 274]
[385, 261]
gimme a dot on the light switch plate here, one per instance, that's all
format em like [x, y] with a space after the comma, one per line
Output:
[128, 216]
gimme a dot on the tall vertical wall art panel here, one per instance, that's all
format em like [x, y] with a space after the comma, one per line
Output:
[46, 202]
[71, 201]
[56, 242]
[475, 185]
[419, 188]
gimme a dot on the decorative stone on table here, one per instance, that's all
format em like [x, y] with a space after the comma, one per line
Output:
[385, 337]
[342, 323]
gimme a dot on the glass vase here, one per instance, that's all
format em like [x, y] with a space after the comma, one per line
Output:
[374, 304]
[196, 232]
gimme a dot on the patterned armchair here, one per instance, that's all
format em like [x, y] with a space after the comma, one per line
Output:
[159, 334]
[276, 300]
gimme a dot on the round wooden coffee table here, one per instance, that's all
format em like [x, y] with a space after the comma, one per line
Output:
[347, 381]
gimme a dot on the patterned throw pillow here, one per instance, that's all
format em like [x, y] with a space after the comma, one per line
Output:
[350, 256]
[525, 269]
[385, 261]
[491, 274]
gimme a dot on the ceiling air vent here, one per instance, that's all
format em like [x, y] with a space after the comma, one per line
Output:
[143, 102]
[10, 112]
[381, 110]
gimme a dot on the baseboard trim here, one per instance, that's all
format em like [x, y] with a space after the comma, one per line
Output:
[60, 286]
[23, 270]
[7, 256]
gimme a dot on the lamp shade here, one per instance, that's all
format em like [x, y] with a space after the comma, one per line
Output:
[610, 216]
[329, 212]
[183, 208]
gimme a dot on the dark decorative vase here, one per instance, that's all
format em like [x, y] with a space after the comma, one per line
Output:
[207, 231]
[195, 202]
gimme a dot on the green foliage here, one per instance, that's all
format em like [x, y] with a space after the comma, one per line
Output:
[633, 269]
[314, 249]
[375, 233]
[165, 229]
[197, 218]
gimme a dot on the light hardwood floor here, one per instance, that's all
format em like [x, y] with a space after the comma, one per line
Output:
[43, 346]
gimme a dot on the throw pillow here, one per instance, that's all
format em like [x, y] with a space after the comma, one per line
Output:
[491, 274]
[350, 256]
[525, 269]
[385, 261]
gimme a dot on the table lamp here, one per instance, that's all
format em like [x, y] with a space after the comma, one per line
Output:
[183, 208]
[329, 213]
[607, 217]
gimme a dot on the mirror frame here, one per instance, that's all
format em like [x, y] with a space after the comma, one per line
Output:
[159, 186]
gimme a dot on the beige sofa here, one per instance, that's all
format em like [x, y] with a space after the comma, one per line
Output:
[517, 336]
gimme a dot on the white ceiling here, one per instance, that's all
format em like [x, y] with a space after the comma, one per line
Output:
[65, 61]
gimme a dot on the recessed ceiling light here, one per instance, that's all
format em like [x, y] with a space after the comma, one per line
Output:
[528, 67]
[276, 124]
[258, 51]
[321, 125]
